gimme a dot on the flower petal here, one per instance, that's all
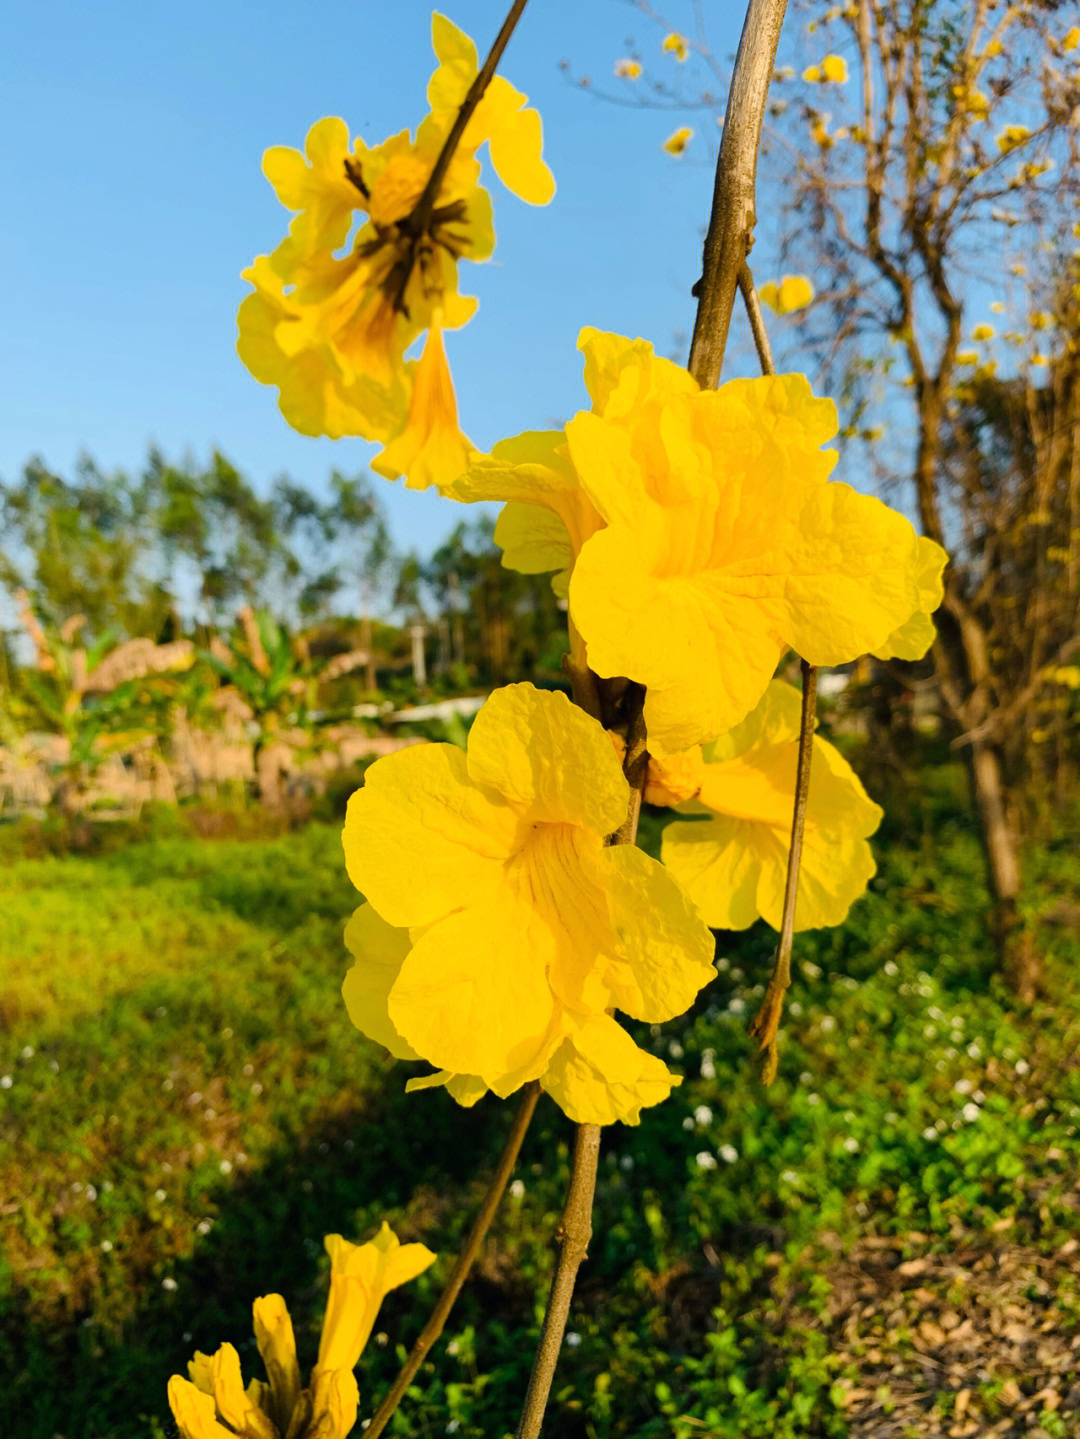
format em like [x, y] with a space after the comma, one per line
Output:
[419, 816]
[551, 760]
[599, 1075]
[473, 995]
[379, 950]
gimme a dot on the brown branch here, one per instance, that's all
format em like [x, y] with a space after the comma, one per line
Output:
[757, 320]
[418, 221]
[439, 1315]
[767, 1021]
[731, 223]
[575, 1232]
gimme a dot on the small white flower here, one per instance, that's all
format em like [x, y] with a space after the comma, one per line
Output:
[736, 1005]
[703, 1115]
[28, 1051]
[929, 1132]
[382, 1339]
[790, 1176]
[963, 1086]
[159, 1195]
[970, 1112]
[827, 1024]
[225, 1166]
[517, 1189]
[974, 1052]
[675, 1049]
[891, 967]
[6, 1081]
[851, 1144]
[106, 1246]
[573, 1339]
[626, 1163]
[248, 1070]
[688, 1122]
[705, 1160]
[813, 1099]
[452, 1348]
[795, 1009]
[204, 1226]
[256, 1088]
[811, 970]
[76, 1188]
[169, 1284]
[723, 964]
[708, 1069]
[1022, 1067]
[728, 1153]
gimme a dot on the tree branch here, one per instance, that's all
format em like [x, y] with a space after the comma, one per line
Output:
[731, 224]
[439, 1315]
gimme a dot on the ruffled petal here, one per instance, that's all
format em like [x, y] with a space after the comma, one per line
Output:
[379, 950]
[599, 1075]
[421, 839]
[551, 760]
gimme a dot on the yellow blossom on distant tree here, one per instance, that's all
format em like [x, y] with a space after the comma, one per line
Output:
[677, 45]
[678, 140]
[1011, 137]
[794, 292]
[504, 965]
[734, 863]
[214, 1404]
[331, 331]
[628, 69]
[832, 71]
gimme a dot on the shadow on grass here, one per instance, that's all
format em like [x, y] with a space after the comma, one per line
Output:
[378, 1156]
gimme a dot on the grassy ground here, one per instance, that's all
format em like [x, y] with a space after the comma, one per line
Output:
[883, 1243]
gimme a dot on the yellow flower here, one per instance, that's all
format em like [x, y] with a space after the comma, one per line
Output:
[794, 292]
[912, 639]
[832, 71]
[723, 546]
[627, 69]
[1011, 137]
[331, 330]
[967, 357]
[503, 965]
[997, 307]
[819, 132]
[1071, 39]
[1068, 675]
[361, 1275]
[734, 864]
[983, 332]
[971, 101]
[678, 45]
[678, 140]
[702, 535]
[213, 1403]
[431, 447]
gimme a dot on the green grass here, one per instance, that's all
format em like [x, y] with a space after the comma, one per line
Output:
[189, 1112]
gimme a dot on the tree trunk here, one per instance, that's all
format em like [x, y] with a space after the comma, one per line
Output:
[962, 667]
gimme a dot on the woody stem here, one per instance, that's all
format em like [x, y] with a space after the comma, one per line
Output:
[439, 1315]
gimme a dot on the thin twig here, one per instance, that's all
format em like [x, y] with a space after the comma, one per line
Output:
[731, 223]
[576, 1231]
[757, 320]
[767, 1021]
[439, 1315]
[416, 224]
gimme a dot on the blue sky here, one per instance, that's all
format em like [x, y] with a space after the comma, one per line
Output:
[132, 136]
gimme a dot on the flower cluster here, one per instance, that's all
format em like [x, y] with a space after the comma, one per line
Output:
[331, 331]
[500, 931]
[214, 1404]
[697, 536]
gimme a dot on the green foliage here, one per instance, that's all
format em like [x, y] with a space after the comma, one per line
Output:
[190, 1112]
